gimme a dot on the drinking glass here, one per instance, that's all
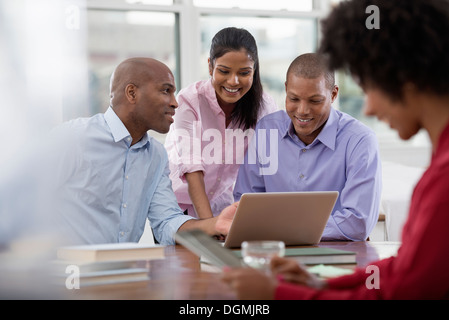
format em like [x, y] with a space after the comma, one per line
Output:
[258, 254]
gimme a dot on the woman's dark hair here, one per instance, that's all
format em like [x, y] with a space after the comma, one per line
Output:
[411, 44]
[234, 39]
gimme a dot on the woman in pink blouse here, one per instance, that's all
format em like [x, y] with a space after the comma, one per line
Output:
[213, 124]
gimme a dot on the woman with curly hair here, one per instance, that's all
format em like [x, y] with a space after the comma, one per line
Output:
[403, 68]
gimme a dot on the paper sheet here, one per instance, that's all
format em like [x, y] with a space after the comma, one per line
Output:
[326, 271]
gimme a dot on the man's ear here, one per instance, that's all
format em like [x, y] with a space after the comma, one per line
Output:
[334, 93]
[131, 92]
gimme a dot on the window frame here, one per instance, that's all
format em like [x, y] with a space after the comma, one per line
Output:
[188, 31]
[188, 47]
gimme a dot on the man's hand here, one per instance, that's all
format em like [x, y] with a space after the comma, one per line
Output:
[224, 219]
[217, 226]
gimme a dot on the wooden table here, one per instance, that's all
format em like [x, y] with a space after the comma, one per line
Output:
[180, 276]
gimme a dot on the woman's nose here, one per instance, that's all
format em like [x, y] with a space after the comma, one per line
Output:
[233, 79]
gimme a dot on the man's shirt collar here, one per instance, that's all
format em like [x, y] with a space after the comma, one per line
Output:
[119, 131]
[328, 134]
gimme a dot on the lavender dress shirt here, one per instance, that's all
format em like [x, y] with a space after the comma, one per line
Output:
[344, 157]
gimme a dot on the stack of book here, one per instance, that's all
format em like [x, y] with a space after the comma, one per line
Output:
[318, 255]
[88, 265]
[321, 255]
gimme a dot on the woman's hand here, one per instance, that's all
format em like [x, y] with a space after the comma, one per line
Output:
[250, 284]
[290, 271]
[253, 284]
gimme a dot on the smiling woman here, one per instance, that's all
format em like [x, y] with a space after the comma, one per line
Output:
[231, 100]
[234, 54]
[232, 78]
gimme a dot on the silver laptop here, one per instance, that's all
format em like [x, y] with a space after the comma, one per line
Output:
[297, 218]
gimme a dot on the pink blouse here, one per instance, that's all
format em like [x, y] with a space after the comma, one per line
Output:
[199, 141]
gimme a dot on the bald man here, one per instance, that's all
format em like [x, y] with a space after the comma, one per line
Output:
[115, 176]
[322, 149]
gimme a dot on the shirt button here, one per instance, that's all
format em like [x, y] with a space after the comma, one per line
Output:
[122, 233]
[126, 177]
[301, 176]
[124, 205]
[128, 139]
[304, 150]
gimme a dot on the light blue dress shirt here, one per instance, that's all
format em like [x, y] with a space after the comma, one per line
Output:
[344, 157]
[109, 188]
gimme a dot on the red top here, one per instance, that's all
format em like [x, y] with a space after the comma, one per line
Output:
[420, 269]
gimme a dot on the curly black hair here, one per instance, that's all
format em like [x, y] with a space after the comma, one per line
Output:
[410, 46]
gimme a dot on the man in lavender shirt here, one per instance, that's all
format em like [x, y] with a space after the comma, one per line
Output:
[318, 148]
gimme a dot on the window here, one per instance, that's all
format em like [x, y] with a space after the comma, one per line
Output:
[303, 5]
[117, 35]
[414, 152]
[156, 2]
[179, 32]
